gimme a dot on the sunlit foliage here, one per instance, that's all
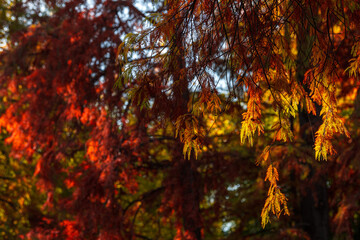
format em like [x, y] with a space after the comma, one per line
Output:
[180, 119]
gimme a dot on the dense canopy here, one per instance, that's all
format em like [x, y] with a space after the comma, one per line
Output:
[180, 119]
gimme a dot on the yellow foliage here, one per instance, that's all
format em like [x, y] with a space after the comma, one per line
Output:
[331, 124]
[283, 131]
[276, 201]
[252, 117]
[190, 134]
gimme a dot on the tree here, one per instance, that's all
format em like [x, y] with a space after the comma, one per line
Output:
[158, 156]
[291, 58]
[61, 112]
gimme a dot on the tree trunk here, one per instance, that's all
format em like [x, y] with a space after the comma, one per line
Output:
[187, 178]
[314, 211]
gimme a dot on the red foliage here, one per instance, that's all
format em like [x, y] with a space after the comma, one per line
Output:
[61, 106]
[106, 155]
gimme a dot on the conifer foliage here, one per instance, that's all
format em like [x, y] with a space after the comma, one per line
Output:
[184, 120]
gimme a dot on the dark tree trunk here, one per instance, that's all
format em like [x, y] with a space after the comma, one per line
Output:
[315, 211]
[188, 188]
[313, 208]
